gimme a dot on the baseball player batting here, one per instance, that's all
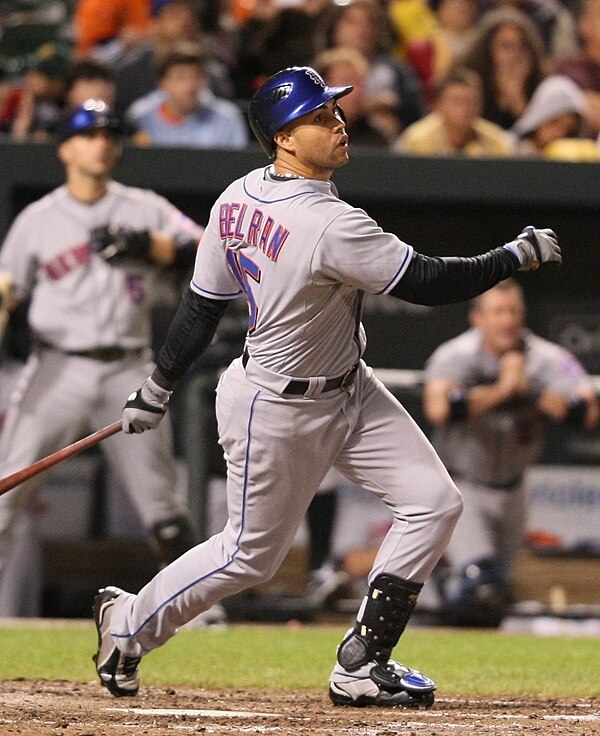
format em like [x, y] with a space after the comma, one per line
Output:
[300, 399]
[86, 255]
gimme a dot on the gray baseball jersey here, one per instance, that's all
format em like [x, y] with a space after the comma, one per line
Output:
[80, 302]
[497, 447]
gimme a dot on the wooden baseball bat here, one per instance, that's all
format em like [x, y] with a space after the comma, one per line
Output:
[15, 479]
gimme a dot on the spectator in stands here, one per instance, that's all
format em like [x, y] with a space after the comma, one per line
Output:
[583, 67]
[457, 23]
[25, 25]
[276, 34]
[182, 111]
[393, 91]
[87, 79]
[415, 26]
[412, 20]
[172, 21]
[554, 113]
[553, 19]
[345, 66]
[33, 12]
[219, 22]
[9, 95]
[105, 29]
[455, 126]
[37, 103]
[508, 54]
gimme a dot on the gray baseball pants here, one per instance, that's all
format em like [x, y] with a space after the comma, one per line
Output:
[278, 450]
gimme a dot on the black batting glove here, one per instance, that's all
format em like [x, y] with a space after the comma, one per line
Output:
[113, 241]
[534, 247]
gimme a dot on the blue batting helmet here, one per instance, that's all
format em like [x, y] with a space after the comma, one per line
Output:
[93, 114]
[285, 96]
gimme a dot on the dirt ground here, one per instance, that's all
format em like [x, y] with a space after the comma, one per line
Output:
[59, 708]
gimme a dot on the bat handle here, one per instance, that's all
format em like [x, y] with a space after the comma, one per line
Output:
[15, 479]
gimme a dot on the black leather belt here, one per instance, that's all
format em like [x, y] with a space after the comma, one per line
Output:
[509, 486]
[105, 355]
[300, 386]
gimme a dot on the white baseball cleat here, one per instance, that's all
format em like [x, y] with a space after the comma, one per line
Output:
[117, 672]
[326, 585]
[387, 684]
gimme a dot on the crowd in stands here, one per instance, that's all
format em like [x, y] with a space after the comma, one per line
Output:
[430, 77]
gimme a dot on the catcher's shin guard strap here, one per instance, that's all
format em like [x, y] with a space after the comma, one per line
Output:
[381, 621]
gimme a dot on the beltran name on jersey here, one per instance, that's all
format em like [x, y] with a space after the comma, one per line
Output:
[255, 229]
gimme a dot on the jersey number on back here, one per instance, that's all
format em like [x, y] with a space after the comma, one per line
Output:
[245, 271]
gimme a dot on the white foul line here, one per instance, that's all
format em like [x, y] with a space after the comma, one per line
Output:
[191, 712]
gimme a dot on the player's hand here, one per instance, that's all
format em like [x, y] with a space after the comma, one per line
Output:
[534, 247]
[6, 291]
[145, 407]
[6, 299]
[111, 241]
[553, 405]
[512, 375]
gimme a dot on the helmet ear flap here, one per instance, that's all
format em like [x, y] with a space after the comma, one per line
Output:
[266, 143]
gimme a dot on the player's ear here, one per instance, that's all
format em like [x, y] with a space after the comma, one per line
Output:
[63, 152]
[474, 314]
[284, 139]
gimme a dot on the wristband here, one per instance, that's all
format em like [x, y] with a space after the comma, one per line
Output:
[458, 403]
[575, 416]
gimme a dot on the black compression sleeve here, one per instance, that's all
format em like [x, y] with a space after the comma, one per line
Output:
[444, 280]
[190, 333]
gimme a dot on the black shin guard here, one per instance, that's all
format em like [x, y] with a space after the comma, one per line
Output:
[381, 621]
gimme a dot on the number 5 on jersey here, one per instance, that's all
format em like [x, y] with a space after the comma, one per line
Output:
[246, 271]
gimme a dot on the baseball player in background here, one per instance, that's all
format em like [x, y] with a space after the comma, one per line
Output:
[489, 394]
[326, 580]
[300, 399]
[88, 255]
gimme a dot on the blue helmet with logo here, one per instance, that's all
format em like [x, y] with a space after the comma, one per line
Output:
[93, 114]
[285, 96]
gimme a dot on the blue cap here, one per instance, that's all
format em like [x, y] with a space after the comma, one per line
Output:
[93, 114]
